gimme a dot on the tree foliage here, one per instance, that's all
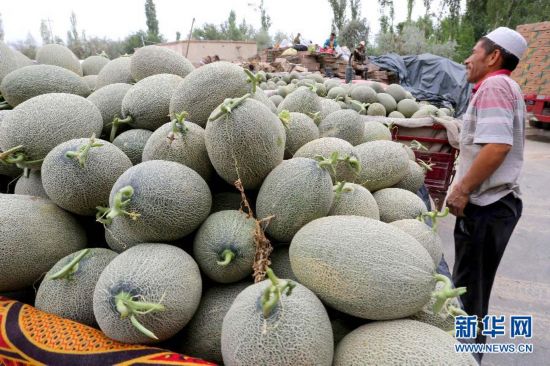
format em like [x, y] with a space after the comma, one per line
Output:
[265, 19]
[339, 14]
[153, 34]
[1, 29]
[228, 30]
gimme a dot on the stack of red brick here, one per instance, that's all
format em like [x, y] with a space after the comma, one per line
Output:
[533, 71]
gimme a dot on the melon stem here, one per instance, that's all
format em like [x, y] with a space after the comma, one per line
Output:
[228, 255]
[4, 105]
[273, 292]
[434, 216]
[227, 106]
[315, 116]
[70, 269]
[284, 116]
[121, 200]
[16, 156]
[81, 155]
[254, 80]
[178, 126]
[340, 187]
[117, 122]
[446, 293]
[128, 307]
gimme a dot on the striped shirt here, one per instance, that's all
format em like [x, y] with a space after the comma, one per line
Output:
[496, 114]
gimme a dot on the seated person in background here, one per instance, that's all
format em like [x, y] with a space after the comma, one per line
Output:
[331, 43]
[359, 54]
[297, 39]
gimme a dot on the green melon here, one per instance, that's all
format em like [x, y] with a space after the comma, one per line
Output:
[116, 71]
[353, 199]
[300, 129]
[226, 201]
[8, 62]
[344, 124]
[280, 263]
[59, 55]
[407, 107]
[92, 65]
[91, 81]
[398, 204]
[399, 342]
[224, 246]
[109, 102]
[21, 59]
[364, 94]
[296, 332]
[425, 111]
[332, 83]
[180, 141]
[337, 92]
[396, 114]
[43, 122]
[276, 99]
[206, 88]
[387, 101]
[246, 143]
[37, 234]
[410, 152]
[325, 146]
[376, 86]
[327, 107]
[375, 131]
[441, 112]
[296, 192]
[321, 90]
[414, 179]
[301, 100]
[146, 105]
[397, 92]
[424, 234]
[81, 181]
[132, 143]
[153, 60]
[380, 272]
[383, 164]
[376, 109]
[158, 274]
[148, 190]
[31, 185]
[202, 337]
[30, 81]
[261, 97]
[68, 288]
[409, 95]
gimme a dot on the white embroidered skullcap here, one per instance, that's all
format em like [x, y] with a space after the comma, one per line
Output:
[510, 40]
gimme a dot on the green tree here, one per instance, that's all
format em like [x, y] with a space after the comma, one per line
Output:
[45, 33]
[73, 39]
[339, 14]
[410, 6]
[1, 29]
[229, 30]
[354, 32]
[152, 22]
[27, 47]
[355, 7]
[178, 35]
[264, 18]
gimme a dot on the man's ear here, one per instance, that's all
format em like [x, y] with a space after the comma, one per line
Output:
[494, 58]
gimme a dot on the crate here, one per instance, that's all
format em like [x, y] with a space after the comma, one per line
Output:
[439, 179]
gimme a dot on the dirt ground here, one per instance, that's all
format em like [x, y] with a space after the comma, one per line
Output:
[522, 284]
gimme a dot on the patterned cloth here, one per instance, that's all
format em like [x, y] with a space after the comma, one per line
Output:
[31, 337]
[496, 114]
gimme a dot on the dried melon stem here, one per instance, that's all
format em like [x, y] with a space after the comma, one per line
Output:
[17, 156]
[117, 122]
[129, 306]
[227, 106]
[362, 106]
[426, 166]
[178, 126]
[447, 292]
[274, 292]
[227, 257]
[68, 271]
[122, 199]
[415, 145]
[82, 154]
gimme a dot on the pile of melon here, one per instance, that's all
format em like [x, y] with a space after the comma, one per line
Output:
[149, 196]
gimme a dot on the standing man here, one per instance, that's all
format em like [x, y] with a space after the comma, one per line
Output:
[486, 196]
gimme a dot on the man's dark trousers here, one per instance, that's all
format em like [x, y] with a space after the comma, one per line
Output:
[480, 239]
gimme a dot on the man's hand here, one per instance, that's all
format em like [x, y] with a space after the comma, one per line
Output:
[457, 200]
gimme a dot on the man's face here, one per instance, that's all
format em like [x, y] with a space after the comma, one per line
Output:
[331, 37]
[479, 63]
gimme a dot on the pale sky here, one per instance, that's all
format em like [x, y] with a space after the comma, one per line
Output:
[117, 18]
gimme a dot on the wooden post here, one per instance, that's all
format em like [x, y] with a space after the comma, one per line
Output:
[189, 38]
